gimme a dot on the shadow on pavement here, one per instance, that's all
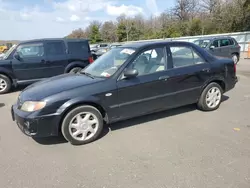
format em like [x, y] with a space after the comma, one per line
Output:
[128, 123]
[51, 140]
[2, 105]
[60, 139]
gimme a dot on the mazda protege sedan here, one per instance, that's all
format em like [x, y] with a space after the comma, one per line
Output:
[126, 82]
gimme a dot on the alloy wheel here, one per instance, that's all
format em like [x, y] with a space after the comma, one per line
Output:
[83, 126]
[3, 84]
[213, 97]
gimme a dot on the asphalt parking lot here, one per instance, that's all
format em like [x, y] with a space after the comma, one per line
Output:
[181, 148]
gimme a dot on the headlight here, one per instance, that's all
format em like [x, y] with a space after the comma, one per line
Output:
[31, 106]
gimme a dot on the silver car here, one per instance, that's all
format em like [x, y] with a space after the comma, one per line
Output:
[221, 46]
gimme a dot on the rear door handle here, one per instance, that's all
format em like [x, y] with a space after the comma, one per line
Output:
[164, 78]
[45, 62]
[205, 70]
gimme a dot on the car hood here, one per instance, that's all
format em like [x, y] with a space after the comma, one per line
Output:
[54, 85]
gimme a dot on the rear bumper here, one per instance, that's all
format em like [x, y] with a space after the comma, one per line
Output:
[232, 84]
[30, 125]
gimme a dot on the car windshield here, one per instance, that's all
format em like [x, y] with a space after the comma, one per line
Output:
[108, 63]
[6, 55]
[202, 43]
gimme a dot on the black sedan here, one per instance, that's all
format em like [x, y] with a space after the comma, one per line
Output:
[127, 81]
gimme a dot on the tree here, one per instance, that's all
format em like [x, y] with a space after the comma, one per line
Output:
[78, 33]
[108, 32]
[187, 17]
[185, 9]
[95, 35]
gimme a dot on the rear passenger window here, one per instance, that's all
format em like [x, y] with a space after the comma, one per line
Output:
[78, 48]
[185, 56]
[224, 42]
[55, 48]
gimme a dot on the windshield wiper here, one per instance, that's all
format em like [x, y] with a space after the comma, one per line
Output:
[88, 74]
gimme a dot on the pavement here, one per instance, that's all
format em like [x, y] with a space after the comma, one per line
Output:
[180, 148]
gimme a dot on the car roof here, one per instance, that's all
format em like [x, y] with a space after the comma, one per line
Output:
[151, 43]
[48, 39]
[216, 37]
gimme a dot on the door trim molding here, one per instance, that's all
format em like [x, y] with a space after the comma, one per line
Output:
[152, 98]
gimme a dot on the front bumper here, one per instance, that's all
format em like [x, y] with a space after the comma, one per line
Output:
[36, 126]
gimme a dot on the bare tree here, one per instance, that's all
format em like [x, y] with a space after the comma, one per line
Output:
[108, 31]
[78, 33]
[209, 5]
[185, 9]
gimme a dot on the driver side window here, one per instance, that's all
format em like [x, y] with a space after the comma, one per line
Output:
[215, 44]
[149, 61]
[31, 50]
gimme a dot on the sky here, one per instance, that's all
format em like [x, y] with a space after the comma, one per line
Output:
[30, 19]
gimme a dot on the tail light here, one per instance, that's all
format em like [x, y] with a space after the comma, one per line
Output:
[91, 60]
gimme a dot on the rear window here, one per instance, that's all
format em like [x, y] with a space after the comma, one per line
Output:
[78, 48]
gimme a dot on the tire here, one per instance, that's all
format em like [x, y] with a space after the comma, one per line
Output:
[203, 103]
[86, 133]
[5, 84]
[75, 70]
[235, 58]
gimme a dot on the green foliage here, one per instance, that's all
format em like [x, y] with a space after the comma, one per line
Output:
[186, 18]
[121, 32]
[95, 35]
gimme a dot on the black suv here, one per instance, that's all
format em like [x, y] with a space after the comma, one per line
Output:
[126, 82]
[221, 46]
[34, 60]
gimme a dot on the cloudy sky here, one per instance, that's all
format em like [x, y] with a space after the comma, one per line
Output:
[28, 19]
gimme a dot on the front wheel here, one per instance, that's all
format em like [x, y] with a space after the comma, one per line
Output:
[5, 84]
[211, 97]
[82, 125]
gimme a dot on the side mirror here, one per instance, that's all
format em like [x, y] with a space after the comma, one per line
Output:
[212, 47]
[17, 56]
[131, 73]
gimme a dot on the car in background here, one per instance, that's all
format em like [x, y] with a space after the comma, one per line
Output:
[99, 49]
[102, 51]
[34, 60]
[126, 82]
[95, 47]
[221, 46]
[115, 45]
[2, 55]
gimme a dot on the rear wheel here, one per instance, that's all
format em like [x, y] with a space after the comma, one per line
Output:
[75, 70]
[82, 125]
[211, 97]
[5, 84]
[235, 58]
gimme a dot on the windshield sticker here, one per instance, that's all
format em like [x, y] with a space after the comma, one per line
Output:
[127, 51]
[105, 74]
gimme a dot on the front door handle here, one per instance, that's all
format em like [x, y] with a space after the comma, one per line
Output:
[165, 78]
